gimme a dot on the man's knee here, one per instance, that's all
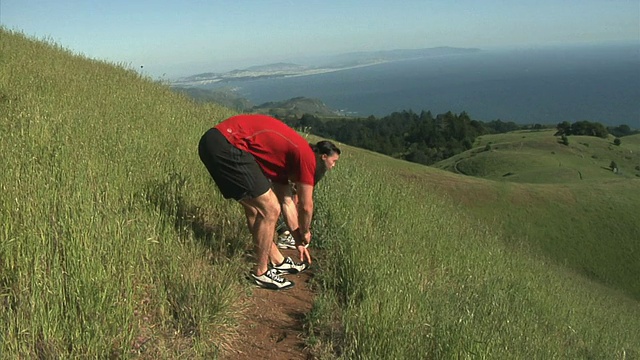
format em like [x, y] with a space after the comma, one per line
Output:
[265, 206]
[272, 210]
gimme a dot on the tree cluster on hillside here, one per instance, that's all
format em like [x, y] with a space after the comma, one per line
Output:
[622, 130]
[420, 138]
[586, 128]
[294, 108]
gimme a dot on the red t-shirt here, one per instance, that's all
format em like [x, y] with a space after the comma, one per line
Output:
[280, 151]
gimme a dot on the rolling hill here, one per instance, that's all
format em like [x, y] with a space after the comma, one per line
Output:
[291, 108]
[563, 199]
[539, 157]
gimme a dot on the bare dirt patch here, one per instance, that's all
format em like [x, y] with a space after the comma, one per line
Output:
[273, 324]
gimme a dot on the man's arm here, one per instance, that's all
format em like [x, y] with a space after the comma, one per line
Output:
[305, 211]
[297, 215]
[288, 206]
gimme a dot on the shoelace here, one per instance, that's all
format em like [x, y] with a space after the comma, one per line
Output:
[274, 276]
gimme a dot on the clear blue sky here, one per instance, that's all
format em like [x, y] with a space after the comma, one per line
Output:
[183, 37]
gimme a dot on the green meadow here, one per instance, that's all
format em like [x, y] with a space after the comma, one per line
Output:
[537, 156]
[114, 243]
[564, 200]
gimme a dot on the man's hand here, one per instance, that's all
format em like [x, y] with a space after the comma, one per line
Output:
[302, 244]
[304, 254]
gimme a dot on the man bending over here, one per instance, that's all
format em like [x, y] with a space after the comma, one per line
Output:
[247, 154]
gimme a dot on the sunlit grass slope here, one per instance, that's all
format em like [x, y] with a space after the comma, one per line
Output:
[633, 140]
[416, 270]
[102, 252]
[564, 200]
[115, 244]
[539, 157]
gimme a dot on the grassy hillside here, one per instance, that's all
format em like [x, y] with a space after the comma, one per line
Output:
[292, 108]
[539, 157]
[99, 253]
[114, 243]
[562, 200]
[631, 141]
[223, 97]
[413, 275]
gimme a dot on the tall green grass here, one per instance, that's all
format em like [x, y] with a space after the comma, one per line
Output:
[562, 200]
[115, 244]
[103, 251]
[409, 275]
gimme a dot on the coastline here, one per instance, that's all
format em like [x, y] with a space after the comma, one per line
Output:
[255, 75]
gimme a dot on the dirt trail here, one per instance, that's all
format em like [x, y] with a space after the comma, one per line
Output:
[272, 328]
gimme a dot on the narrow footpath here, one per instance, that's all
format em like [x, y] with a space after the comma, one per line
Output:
[273, 325]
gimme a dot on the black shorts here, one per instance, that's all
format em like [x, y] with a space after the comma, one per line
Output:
[236, 172]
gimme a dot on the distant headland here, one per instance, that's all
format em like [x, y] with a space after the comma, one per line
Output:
[336, 63]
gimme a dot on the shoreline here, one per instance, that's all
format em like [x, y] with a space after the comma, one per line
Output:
[248, 76]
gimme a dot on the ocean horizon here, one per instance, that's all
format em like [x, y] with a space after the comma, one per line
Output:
[527, 86]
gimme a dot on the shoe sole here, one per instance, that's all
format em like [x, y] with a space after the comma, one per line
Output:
[290, 271]
[269, 286]
[282, 246]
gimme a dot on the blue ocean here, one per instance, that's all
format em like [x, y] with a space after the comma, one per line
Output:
[527, 86]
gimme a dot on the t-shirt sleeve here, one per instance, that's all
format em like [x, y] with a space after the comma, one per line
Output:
[307, 168]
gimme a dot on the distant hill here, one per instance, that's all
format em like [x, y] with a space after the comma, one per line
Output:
[333, 63]
[286, 109]
[223, 97]
[295, 108]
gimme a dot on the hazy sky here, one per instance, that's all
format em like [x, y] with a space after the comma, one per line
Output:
[183, 37]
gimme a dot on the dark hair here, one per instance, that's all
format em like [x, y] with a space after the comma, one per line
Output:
[325, 147]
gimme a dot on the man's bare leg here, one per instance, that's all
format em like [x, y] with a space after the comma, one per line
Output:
[262, 214]
[275, 256]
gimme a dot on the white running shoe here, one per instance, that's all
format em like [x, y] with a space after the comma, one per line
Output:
[288, 266]
[286, 241]
[272, 280]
